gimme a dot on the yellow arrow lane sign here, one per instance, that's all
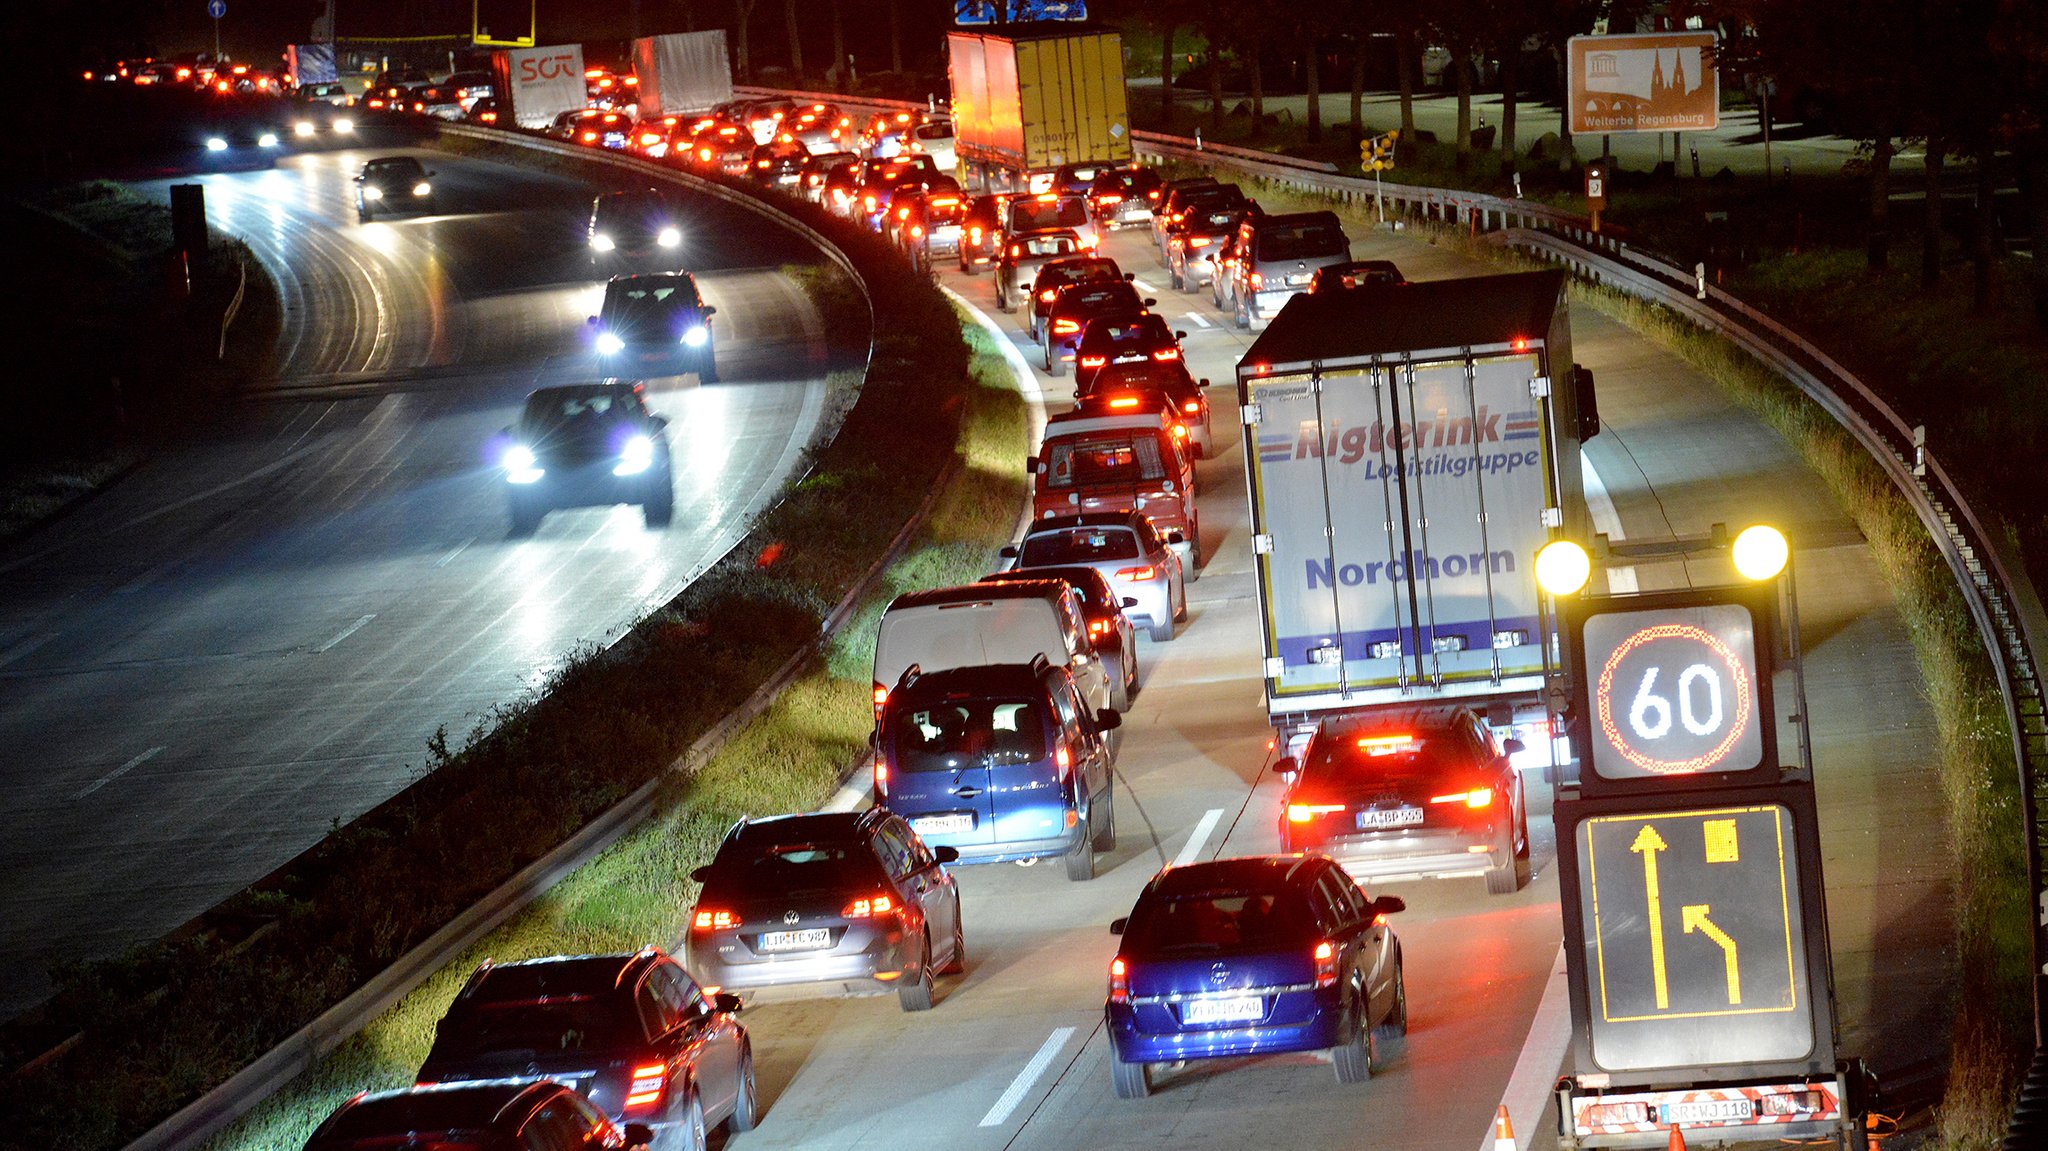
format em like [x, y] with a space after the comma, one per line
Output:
[1649, 843]
[1695, 917]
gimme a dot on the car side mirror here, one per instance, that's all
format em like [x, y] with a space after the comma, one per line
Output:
[1202, 383]
[726, 1001]
[1116, 926]
[1286, 766]
[709, 310]
[1175, 537]
[702, 874]
[638, 1135]
[1008, 551]
[1130, 276]
[1150, 302]
[1130, 601]
[1034, 466]
[1179, 335]
[946, 854]
[1511, 745]
[1108, 719]
[592, 321]
[1389, 904]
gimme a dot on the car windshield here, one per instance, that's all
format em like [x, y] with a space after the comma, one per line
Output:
[1217, 921]
[1125, 462]
[544, 1024]
[632, 306]
[558, 410]
[1036, 215]
[968, 733]
[1301, 241]
[1079, 546]
[392, 169]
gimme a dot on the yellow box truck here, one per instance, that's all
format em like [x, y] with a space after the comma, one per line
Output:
[1027, 100]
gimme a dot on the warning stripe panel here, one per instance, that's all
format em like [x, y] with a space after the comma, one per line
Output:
[1770, 1105]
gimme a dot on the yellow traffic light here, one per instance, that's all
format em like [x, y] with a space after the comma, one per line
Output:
[1563, 567]
[1760, 552]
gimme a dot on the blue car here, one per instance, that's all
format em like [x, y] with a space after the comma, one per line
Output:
[1000, 762]
[1253, 956]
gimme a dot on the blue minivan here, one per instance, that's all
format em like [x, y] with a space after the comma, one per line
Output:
[1253, 956]
[1002, 762]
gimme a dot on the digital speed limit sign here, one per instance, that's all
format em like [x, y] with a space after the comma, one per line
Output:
[1675, 689]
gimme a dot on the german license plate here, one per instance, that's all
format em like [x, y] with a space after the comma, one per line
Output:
[1374, 819]
[1706, 1111]
[809, 939]
[1300, 278]
[1236, 1010]
[943, 824]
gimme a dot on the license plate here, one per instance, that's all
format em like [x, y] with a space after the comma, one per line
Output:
[942, 824]
[809, 939]
[1238, 1010]
[1301, 279]
[1706, 1111]
[1379, 817]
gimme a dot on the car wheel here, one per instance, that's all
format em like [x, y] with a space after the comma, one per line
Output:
[1507, 879]
[526, 514]
[1133, 1080]
[707, 368]
[1057, 366]
[1002, 301]
[1241, 316]
[1120, 691]
[1189, 284]
[1081, 860]
[958, 963]
[687, 1132]
[1354, 1060]
[1131, 669]
[916, 994]
[1180, 610]
[1163, 630]
[660, 507]
[1045, 353]
[1173, 275]
[746, 1109]
[1397, 1016]
[1105, 834]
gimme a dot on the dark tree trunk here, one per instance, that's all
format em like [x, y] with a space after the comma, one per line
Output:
[1510, 65]
[1877, 240]
[1462, 65]
[1358, 95]
[796, 41]
[895, 36]
[1258, 88]
[1215, 86]
[1930, 225]
[1984, 242]
[744, 62]
[1315, 87]
[839, 69]
[1404, 59]
[2033, 166]
[1166, 77]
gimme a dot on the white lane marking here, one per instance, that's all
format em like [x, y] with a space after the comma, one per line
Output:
[344, 633]
[1193, 848]
[1620, 580]
[145, 579]
[1021, 1085]
[444, 561]
[1143, 286]
[25, 648]
[1535, 1074]
[1199, 321]
[118, 772]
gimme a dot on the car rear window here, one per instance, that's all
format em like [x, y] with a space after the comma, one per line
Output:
[1045, 245]
[1168, 378]
[1080, 270]
[1218, 921]
[1085, 463]
[969, 733]
[1373, 757]
[1301, 241]
[548, 1023]
[1036, 215]
[821, 865]
[1079, 546]
[1131, 331]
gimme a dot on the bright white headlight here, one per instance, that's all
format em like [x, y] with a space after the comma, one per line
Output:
[609, 344]
[696, 335]
[216, 144]
[669, 237]
[520, 465]
[422, 189]
[267, 140]
[602, 243]
[344, 125]
[372, 192]
[635, 455]
[303, 128]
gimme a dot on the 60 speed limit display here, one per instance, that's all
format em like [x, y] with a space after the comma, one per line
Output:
[1673, 691]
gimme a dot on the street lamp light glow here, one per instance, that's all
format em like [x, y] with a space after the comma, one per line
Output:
[1760, 552]
[1563, 567]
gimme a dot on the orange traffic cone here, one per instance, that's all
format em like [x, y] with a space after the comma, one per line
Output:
[1503, 1131]
[1677, 1141]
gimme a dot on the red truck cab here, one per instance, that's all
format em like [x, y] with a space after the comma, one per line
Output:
[1094, 462]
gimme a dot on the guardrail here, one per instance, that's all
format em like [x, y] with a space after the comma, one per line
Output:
[229, 1101]
[234, 308]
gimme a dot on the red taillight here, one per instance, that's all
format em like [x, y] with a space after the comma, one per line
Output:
[1065, 327]
[1477, 797]
[760, 163]
[1119, 981]
[1122, 402]
[1191, 406]
[1199, 242]
[1063, 760]
[1016, 250]
[1165, 354]
[1093, 361]
[1326, 964]
[881, 778]
[649, 1082]
[1109, 198]
[1306, 812]
[589, 136]
[868, 907]
[1257, 279]
[715, 921]
[974, 235]
[1098, 627]
[1137, 574]
[1048, 295]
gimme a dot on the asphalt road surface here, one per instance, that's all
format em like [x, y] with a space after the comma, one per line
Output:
[253, 637]
[1014, 1055]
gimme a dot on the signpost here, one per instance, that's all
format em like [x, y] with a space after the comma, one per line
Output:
[216, 9]
[1377, 155]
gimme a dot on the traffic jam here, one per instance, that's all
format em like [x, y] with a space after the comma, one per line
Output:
[1392, 514]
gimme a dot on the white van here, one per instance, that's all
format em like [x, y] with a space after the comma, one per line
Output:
[981, 624]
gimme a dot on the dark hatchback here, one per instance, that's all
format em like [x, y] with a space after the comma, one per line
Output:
[1123, 339]
[635, 229]
[1253, 956]
[655, 324]
[1067, 316]
[495, 1115]
[578, 445]
[633, 1034]
[1060, 274]
[1412, 792]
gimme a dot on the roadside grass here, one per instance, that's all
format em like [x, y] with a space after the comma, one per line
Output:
[790, 759]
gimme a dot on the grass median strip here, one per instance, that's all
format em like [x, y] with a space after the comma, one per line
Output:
[790, 759]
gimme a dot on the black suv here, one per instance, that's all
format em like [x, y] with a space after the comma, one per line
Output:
[393, 184]
[576, 445]
[655, 324]
[494, 1115]
[632, 1034]
[635, 229]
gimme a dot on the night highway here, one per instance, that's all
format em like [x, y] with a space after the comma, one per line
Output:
[250, 640]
